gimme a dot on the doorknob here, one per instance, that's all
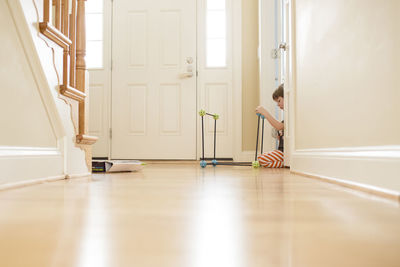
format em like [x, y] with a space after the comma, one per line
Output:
[188, 73]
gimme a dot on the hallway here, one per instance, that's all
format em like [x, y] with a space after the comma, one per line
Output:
[179, 215]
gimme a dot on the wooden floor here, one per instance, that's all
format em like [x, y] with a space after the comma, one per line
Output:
[179, 215]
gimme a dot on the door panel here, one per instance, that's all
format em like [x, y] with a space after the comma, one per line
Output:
[153, 93]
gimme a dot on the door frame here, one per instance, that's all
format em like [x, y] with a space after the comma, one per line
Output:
[272, 13]
[236, 127]
[290, 79]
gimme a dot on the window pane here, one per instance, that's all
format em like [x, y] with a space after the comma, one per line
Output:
[94, 54]
[216, 53]
[94, 27]
[215, 4]
[216, 24]
[94, 6]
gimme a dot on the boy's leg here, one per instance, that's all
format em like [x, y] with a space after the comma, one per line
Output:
[273, 159]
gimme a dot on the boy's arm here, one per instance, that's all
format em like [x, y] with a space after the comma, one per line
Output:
[276, 124]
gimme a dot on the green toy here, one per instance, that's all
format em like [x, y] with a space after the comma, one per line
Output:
[256, 164]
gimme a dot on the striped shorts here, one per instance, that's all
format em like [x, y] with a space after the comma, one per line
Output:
[273, 159]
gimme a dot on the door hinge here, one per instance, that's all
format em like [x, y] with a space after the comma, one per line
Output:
[197, 73]
[283, 46]
[112, 64]
[275, 53]
[110, 133]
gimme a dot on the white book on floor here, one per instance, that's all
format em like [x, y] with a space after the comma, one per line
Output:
[123, 165]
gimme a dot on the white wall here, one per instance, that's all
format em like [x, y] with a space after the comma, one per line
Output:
[23, 120]
[348, 90]
[38, 138]
[250, 72]
[348, 66]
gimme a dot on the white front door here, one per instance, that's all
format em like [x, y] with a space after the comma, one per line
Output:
[154, 79]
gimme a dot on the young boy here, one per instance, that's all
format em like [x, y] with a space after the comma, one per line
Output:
[273, 159]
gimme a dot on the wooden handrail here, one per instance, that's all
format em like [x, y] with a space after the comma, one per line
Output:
[86, 139]
[55, 35]
[72, 93]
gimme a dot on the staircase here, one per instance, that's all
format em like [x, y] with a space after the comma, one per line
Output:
[64, 24]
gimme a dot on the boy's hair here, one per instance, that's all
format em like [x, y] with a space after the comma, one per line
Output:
[278, 92]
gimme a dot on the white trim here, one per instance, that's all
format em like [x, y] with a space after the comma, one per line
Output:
[369, 152]
[74, 176]
[37, 164]
[290, 80]
[8, 151]
[31, 182]
[370, 167]
[354, 185]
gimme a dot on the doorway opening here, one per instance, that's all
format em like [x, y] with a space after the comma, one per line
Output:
[160, 64]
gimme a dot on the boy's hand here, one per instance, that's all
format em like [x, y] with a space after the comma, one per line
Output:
[261, 110]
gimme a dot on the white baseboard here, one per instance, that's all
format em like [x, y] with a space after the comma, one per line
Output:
[372, 169]
[74, 176]
[12, 151]
[26, 164]
[24, 183]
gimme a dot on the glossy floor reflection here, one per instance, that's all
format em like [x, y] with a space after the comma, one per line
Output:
[179, 215]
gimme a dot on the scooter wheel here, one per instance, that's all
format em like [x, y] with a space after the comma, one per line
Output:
[203, 163]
